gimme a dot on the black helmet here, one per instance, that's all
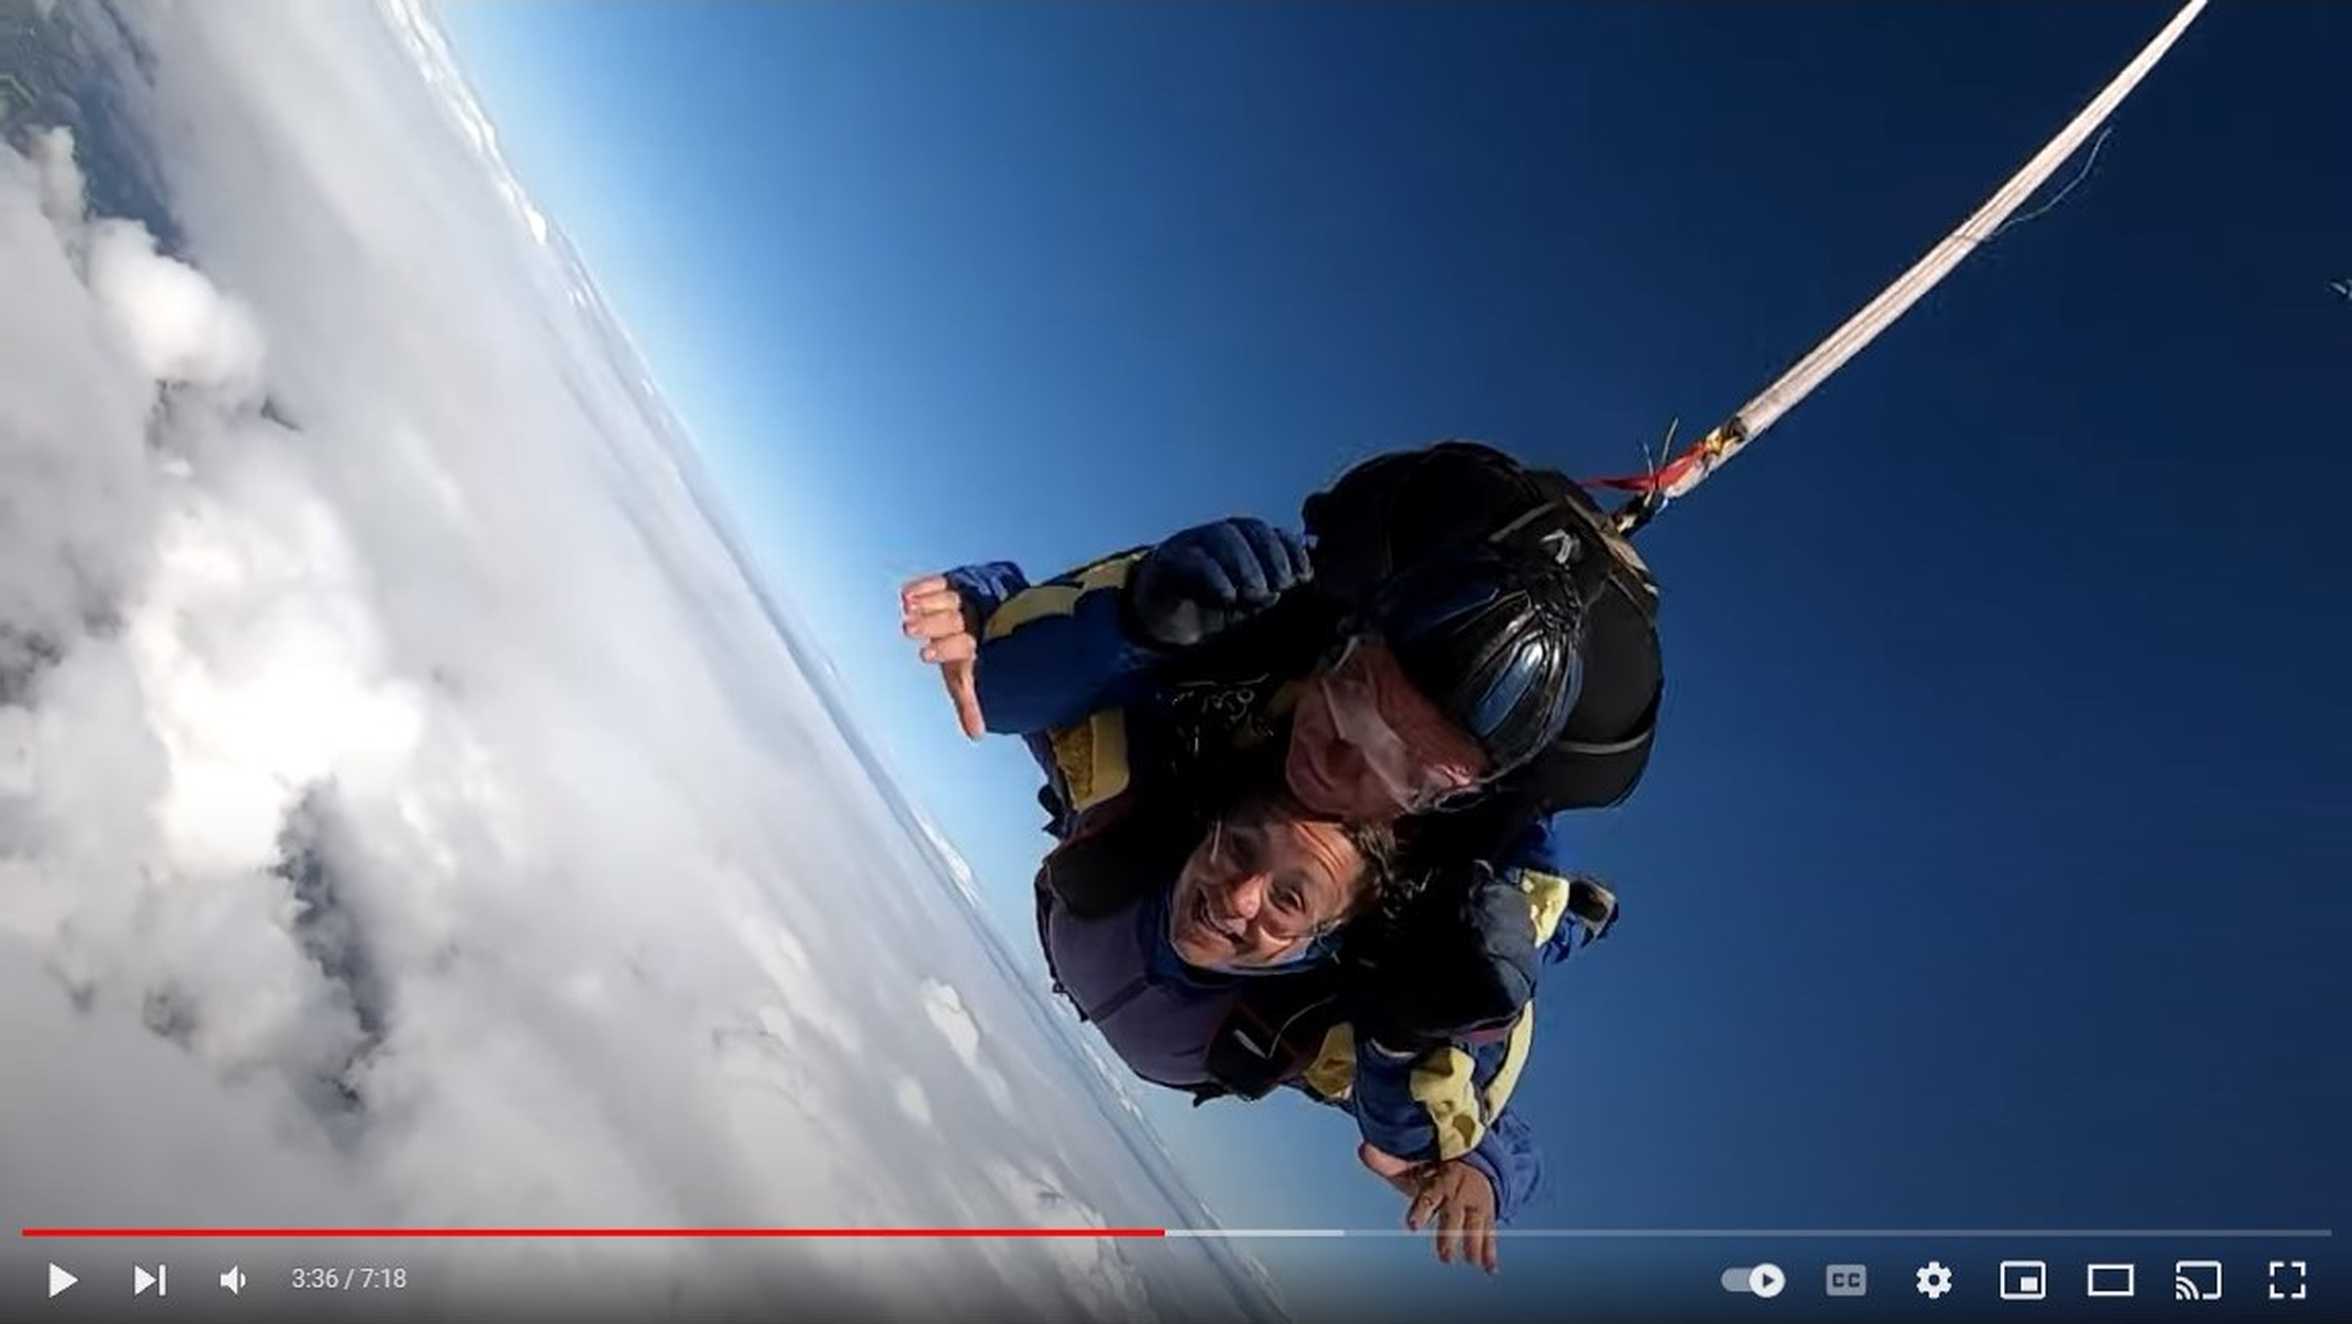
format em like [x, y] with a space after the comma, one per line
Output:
[1494, 637]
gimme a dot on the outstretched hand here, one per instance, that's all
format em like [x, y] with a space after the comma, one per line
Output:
[932, 612]
[1456, 1195]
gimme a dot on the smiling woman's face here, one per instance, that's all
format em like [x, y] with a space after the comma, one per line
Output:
[1259, 888]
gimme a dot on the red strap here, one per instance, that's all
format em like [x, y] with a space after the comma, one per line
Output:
[1666, 476]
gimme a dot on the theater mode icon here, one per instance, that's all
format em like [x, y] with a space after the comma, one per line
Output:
[2111, 1280]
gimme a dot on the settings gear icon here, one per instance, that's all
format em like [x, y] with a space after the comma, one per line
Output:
[1934, 1280]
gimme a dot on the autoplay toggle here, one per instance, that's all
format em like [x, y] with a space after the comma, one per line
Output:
[1764, 1280]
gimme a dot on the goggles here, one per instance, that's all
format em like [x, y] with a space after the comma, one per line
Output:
[1353, 701]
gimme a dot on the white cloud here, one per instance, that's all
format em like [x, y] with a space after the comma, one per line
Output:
[912, 1101]
[180, 328]
[408, 811]
[944, 1008]
[58, 181]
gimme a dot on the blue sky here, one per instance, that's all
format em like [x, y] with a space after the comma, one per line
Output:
[1990, 871]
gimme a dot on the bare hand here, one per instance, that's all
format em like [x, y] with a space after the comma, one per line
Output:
[1456, 1195]
[933, 612]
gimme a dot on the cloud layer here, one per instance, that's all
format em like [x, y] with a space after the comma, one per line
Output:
[409, 813]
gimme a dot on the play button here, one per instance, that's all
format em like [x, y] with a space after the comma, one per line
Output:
[59, 1280]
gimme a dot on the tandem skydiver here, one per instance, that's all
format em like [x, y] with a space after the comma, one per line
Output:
[1449, 678]
[1235, 611]
[1202, 949]
[1197, 663]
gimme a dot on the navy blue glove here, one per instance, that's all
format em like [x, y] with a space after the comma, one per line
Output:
[1206, 579]
[1455, 960]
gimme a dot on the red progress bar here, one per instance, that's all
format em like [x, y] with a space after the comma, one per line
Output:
[436, 1233]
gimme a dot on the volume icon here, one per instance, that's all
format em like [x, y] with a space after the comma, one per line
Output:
[234, 1280]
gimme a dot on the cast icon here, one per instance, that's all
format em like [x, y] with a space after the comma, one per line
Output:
[2196, 1280]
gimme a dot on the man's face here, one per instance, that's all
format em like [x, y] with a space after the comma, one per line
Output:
[1366, 746]
[1259, 888]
